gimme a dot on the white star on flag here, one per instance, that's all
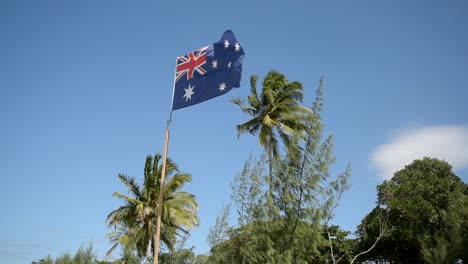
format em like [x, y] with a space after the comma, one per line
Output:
[229, 65]
[214, 64]
[222, 86]
[226, 44]
[237, 47]
[188, 93]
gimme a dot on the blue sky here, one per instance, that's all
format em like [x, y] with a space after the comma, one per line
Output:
[85, 90]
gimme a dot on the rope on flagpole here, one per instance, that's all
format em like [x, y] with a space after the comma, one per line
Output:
[157, 235]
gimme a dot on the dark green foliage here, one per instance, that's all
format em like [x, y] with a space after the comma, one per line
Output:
[262, 242]
[428, 215]
[182, 256]
[84, 255]
[129, 255]
[344, 247]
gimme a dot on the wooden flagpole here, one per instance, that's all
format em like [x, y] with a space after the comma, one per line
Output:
[157, 235]
[161, 194]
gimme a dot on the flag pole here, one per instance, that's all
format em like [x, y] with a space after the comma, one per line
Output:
[161, 186]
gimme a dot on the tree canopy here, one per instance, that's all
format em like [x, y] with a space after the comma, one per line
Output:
[285, 198]
[275, 112]
[428, 213]
[135, 221]
[281, 196]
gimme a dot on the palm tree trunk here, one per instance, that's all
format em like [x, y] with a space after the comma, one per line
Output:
[154, 251]
[270, 167]
[148, 251]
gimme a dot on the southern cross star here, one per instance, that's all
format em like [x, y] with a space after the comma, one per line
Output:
[188, 93]
[226, 44]
[229, 65]
[237, 47]
[214, 64]
[222, 86]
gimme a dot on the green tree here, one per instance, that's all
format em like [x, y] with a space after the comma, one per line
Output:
[218, 232]
[201, 259]
[180, 256]
[123, 235]
[250, 204]
[137, 217]
[275, 113]
[303, 187]
[282, 224]
[84, 255]
[343, 247]
[428, 215]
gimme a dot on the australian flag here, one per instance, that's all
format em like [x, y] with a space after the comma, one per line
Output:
[208, 72]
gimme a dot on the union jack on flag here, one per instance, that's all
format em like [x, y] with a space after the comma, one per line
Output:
[208, 72]
[190, 63]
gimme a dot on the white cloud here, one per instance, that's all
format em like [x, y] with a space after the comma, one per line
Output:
[449, 143]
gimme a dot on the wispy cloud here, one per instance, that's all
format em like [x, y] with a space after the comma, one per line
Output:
[449, 143]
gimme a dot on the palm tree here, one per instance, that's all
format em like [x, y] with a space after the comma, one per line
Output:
[124, 235]
[275, 112]
[136, 219]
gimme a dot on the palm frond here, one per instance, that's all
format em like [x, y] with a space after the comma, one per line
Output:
[113, 247]
[176, 182]
[118, 215]
[135, 221]
[131, 184]
[244, 108]
[252, 126]
[254, 100]
[264, 135]
[126, 198]
[171, 167]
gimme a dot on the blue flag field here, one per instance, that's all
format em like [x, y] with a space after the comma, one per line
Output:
[208, 72]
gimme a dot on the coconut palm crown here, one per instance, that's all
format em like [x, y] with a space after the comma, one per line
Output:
[135, 221]
[275, 112]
